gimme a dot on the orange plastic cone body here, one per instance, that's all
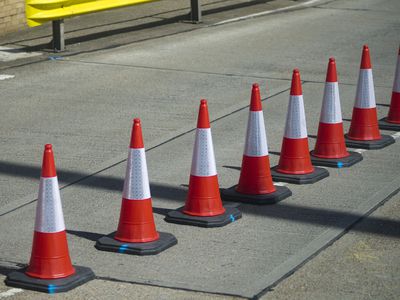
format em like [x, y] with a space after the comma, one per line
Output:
[255, 175]
[364, 122]
[330, 138]
[136, 222]
[50, 256]
[203, 197]
[394, 111]
[295, 156]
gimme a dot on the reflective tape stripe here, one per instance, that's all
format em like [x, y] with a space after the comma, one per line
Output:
[365, 97]
[296, 127]
[49, 215]
[136, 184]
[396, 83]
[256, 138]
[331, 112]
[203, 161]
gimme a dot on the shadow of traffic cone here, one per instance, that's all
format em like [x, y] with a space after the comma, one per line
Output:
[203, 205]
[392, 121]
[330, 148]
[136, 233]
[50, 269]
[255, 183]
[364, 131]
[295, 162]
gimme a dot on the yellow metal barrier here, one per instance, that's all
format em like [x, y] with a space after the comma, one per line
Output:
[41, 11]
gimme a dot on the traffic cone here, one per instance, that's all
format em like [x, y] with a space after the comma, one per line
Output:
[392, 121]
[330, 148]
[364, 131]
[203, 205]
[136, 233]
[50, 269]
[255, 183]
[294, 162]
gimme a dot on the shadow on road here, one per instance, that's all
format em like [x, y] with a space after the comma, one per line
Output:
[330, 218]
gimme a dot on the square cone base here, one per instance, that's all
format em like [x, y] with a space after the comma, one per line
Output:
[108, 243]
[344, 162]
[317, 175]
[177, 216]
[282, 192]
[388, 126]
[51, 286]
[385, 141]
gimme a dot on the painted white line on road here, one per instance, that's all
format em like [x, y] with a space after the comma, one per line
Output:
[396, 135]
[10, 293]
[5, 76]
[267, 12]
[280, 183]
[359, 150]
[14, 53]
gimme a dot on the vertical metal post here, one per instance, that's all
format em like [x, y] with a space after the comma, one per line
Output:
[195, 11]
[58, 35]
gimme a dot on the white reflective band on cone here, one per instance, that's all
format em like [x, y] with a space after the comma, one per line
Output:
[365, 97]
[256, 138]
[331, 112]
[136, 184]
[296, 127]
[396, 83]
[49, 215]
[203, 161]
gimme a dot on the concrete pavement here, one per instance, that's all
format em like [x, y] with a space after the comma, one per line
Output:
[84, 103]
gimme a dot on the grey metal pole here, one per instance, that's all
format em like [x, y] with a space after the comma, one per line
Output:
[58, 35]
[195, 11]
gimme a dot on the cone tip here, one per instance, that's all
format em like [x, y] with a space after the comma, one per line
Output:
[136, 136]
[295, 89]
[203, 119]
[365, 59]
[331, 75]
[255, 101]
[48, 165]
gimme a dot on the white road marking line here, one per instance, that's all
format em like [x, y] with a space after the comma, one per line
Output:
[359, 150]
[14, 53]
[10, 293]
[6, 76]
[267, 12]
[280, 183]
[396, 135]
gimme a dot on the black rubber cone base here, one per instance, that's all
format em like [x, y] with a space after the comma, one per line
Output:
[177, 216]
[344, 162]
[108, 243]
[282, 192]
[385, 141]
[317, 175]
[51, 286]
[388, 126]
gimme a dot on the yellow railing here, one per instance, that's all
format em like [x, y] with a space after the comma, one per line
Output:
[41, 11]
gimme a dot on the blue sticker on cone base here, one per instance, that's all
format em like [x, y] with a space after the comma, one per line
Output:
[123, 248]
[232, 218]
[340, 164]
[50, 286]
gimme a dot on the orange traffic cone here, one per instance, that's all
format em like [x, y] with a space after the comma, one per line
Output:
[50, 269]
[295, 163]
[255, 182]
[136, 232]
[330, 148]
[392, 121]
[203, 205]
[364, 131]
